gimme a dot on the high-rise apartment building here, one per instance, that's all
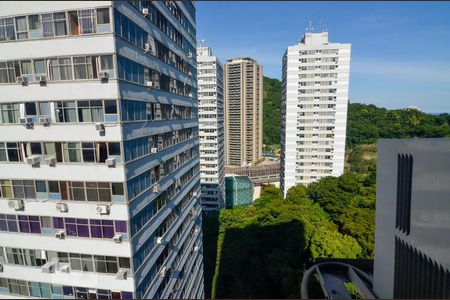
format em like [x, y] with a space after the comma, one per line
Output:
[314, 103]
[412, 238]
[211, 127]
[99, 163]
[244, 111]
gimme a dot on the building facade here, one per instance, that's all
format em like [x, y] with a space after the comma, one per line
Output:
[211, 127]
[314, 102]
[239, 190]
[244, 111]
[99, 159]
[412, 238]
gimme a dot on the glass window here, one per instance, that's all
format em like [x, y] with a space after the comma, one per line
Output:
[14, 153]
[83, 67]
[34, 22]
[110, 107]
[114, 149]
[66, 111]
[21, 27]
[72, 152]
[39, 67]
[106, 64]
[88, 152]
[86, 20]
[60, 23]
[3, 152]
[10, 112]
[103, 20]
[117, 188]
[41, 186]
[77, 191]
[7, 31]
[47, 25]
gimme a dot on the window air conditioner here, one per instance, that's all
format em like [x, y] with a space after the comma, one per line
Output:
[154, 150]
[149, 83]
[191, 95]
[99, 126]
[156, 188]
[190, 55]
[117, 238]
[61, 207]
[49, 267]
[51, 161]
[41, 78]
[145, 11]
[60, 234]
[26, 121]
[33, 159]
[102, 209]
[111, 162]
[44, 120]
[15, 204]
[21, 80]
[122, 274]
[103, 75]
[163, 271]
[147, 47]
[65, 269]
[159, 240]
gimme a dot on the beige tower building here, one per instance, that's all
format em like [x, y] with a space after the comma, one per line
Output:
[243, 111]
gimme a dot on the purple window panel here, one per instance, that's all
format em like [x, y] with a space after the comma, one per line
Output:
[83, 230]
[127, 295]
[82, 221]
[108, 231]
[58, 223]
[35, 227]
[107, 222]
[24, 226]
[70, 220]
[67, 290]
[96, 231]
[71, 229]
[95, 222]
[33, 218]
[3, 226]
[121, 226]
[23, 218]
[12, 226]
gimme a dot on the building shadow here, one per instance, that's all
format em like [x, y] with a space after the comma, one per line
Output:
[210, 226]
[261, 262]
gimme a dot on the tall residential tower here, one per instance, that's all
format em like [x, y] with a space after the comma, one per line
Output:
[244, 111]
[313, 110]
[99, 163]
[211, 123]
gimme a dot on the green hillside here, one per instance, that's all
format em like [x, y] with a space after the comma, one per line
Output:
[271, 111]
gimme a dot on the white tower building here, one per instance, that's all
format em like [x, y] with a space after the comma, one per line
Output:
[211, 124]
[99, 164]
[313, 110]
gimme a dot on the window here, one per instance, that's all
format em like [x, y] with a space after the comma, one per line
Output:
[21, 27]
[24, 189]
[7, 31]
[35, 26]
[54, 24]
[106, 64]
[14, 153]
[26, 69]
[65, 111]
[18, 287]
[72, 152]
[60, 68]
[86, 20]
[10, 113]
[7, 74]
[83, 67]
[76, 189]
[103, 20]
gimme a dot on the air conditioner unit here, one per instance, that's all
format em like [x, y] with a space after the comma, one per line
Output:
[15, 204]
[196, 248]
[41, 78]
[190, 55]
[26, 120]
[154, 150]
[44, 120]
[33, 159]
[99, 126]
[111, 162]
[21, 80]
[60, 234]
[103, 75]
[145, 11]
[102, 209]
[65, 269]
[159, 240]
[147, 47]
[163, 271]
[156, 188]
[51, 161]
[122, 274]
[191, 95]
[149, 84]
[49, 267]
[117, 238]
[62, 207]
[190, 73]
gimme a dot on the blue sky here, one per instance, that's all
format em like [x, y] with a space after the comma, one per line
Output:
[400, 50]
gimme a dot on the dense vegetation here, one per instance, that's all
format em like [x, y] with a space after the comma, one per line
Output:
[271, 111]
[367, 123]
[262, 249]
